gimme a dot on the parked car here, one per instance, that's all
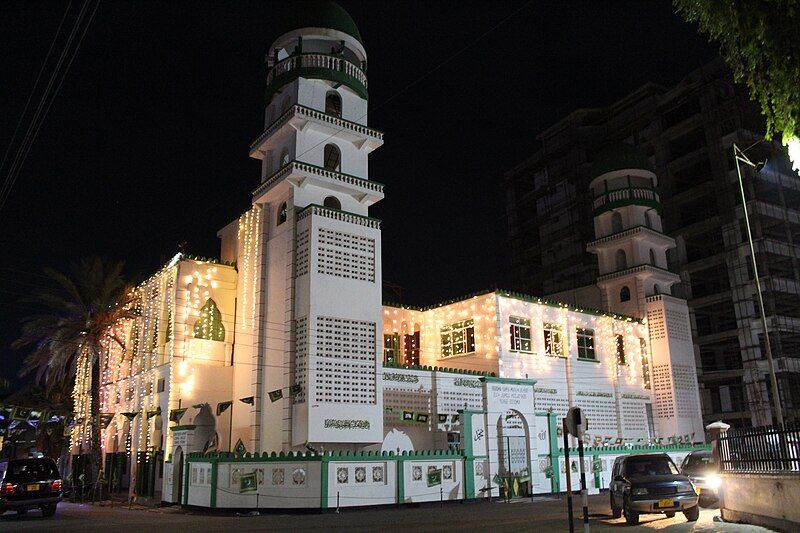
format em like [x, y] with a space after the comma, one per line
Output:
[701, 468]
[27, 484]
[651, 483]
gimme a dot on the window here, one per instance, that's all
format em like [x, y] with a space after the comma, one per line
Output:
[645, 363]
[411, 348]
[459, 338]
[332, 202]
[653, 257]
[586, 344]
[333, 104]
[160, 385]
[391, 348]
[333, 158]
[648, 221]
[285, 157]
[622, 260]
[624, 294]
[621, 350]
[616, 222]
[282, 214]
[553, 340]
[656, 289]
[520, 334]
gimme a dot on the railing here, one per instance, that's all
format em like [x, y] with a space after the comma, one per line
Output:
[761, 449]
[325, 61]
[336, 214]
[319, 171]
[627, 194]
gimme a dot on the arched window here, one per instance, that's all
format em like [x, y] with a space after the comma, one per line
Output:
[333, 158]
[648, 221]
[286, 105]
[208, 325]
[656, 289]
[332, 202]
[333, 104]
[622, 260]
[653, 257]
[285, 157]
[282, 214]
[624, 294]
[616, 222]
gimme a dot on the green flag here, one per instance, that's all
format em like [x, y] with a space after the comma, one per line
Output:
[155, 412]
[434, 477]
[422, 418]
[223, 406]
[454, 418]
[240, 448]
[442, 419]
[275, 395]
[175, 415]
[294, 390]
[408, 415]
[104, 419]
[130, 416]
[20, 413]
[248, 483]
[248, 400]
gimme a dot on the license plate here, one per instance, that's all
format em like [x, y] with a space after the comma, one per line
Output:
[666, 502]
[32, 486]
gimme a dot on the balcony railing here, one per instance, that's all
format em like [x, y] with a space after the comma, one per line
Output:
[320, 65]
[629, 195]
[340, 177]
[336, 214]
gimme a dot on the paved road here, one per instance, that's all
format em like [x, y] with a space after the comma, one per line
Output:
[542, 515]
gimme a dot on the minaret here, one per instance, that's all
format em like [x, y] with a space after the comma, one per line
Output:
[320, 297]
[634, 280]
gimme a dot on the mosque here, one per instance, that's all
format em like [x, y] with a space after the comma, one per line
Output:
[284, 345]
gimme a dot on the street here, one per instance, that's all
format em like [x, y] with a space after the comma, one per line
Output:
[542, 514]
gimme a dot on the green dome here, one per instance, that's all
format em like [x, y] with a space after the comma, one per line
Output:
[320, 14]
[619, 157]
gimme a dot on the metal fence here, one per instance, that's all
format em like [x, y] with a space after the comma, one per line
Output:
[761, 449]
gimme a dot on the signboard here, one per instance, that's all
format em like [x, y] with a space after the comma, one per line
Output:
[576, 422]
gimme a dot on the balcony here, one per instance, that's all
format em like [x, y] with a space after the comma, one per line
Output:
[342, 216]
[629, 196]
[637, 232]
[319, 66]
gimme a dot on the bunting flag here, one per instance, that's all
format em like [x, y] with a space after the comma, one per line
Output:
[155, 412]
[408, 415]
[294, 390]
[388, 410]
[249, 400]
[310, 448]
[223, 406]
[422, 418]
[275, 395]
[13, 424]
[68, 430]
[442, 419]
[20, 413]
[434, 477]
[198, 405]
[175, 415]
[129, 416]
[248, 482]
[240, 448]
[34, 422]
[454, 418]
[104, 419]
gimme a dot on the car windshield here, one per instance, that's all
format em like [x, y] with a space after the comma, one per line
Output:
[699, 462]
[649, 466]
[31, 470]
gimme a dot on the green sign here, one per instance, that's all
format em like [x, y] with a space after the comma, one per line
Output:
[434, 477]
[248, 482]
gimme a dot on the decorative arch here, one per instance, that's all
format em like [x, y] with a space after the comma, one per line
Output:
[624, 294]
[616, 222]
[621, 259]
[332, 202]
[653, 257]
[209, 325]
[332, 158]
[333, 104]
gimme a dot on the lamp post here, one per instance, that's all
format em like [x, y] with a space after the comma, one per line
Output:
[740, 157]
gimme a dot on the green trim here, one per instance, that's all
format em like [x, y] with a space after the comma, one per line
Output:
[200, 457]
[182, 428]
[512, 381]
[213, 500]
[587, 360]
[185, 488]
[401, 481]
[318, 73]
[323, 495]
[597, 481]
[552, 425]
[609, 206]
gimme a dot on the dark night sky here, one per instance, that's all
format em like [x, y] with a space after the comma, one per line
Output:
[146, 144]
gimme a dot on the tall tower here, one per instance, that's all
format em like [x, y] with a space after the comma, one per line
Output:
[320, 288]
[631, 250]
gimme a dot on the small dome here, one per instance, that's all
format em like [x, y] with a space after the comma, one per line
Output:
[620, 156]
[319, 14]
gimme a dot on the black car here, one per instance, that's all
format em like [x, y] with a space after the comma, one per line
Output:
[651, 483]
[29, 484]
[703, 470]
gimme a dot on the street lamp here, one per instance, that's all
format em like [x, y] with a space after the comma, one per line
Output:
[739, 156]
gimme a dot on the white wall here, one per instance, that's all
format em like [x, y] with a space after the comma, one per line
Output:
[361, 483]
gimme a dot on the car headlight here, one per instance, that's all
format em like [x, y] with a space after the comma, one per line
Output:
[685, 487]
[639, 491]
[713, 481]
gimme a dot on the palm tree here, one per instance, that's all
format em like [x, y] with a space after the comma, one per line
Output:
[79, 312]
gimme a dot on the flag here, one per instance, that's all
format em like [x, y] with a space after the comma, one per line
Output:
[104, 419]
[275, 395]
[46, 415]
[454, 419]
[20, 413]
[155, 412]
[248, 483]
[223, 406]
[434, 477]
[442, 419]
[408, 415]
[240, 448]
[175, 415]
[130, 416]
[294, 390]
[34, 422]
[68, 430]
[422, 417]
[248, 400]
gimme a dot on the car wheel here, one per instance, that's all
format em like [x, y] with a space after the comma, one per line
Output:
[49, 509]
[692, 514]
[615, 511]
[670, 514]
[631, 516]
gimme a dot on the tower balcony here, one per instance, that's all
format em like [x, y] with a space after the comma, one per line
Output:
[636, 233]
[640, 271]
[611, 199]
[317, 66]
[300, 117]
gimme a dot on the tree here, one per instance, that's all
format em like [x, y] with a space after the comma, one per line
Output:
[759, 41]
[79, 312]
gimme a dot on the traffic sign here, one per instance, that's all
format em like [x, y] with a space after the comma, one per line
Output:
[576, 422]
